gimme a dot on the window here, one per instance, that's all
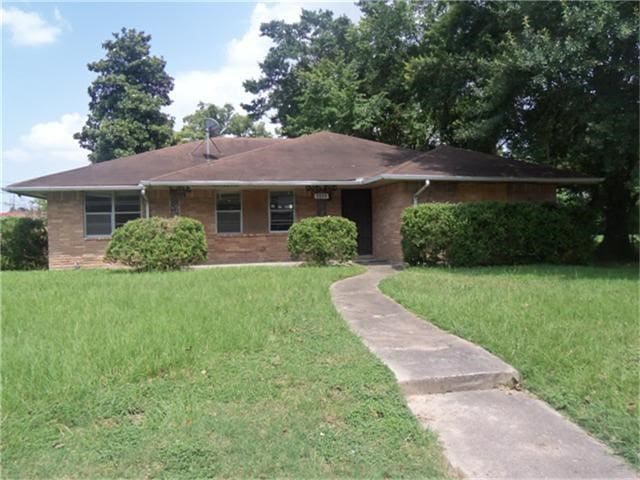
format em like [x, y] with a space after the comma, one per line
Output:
[281, 211]
[104, 212]
[229, 213]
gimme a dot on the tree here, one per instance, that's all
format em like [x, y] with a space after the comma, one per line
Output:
[554, 82]
[125, 114]
[232, 123]
[298, 46]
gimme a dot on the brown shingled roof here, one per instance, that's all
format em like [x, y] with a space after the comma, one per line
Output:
[445, 161]
[311, 159]
[133, 169]
[322, 156]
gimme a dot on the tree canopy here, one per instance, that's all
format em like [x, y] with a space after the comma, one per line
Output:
[232, 123]
[551, 82]
[125, 114]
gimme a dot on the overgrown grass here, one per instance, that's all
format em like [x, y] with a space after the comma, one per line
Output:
[225, 372]
[573, 332]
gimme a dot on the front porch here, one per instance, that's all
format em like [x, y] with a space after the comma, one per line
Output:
[250, 225]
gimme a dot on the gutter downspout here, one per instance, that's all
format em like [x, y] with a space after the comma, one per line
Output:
[143, 191]
[419, 192]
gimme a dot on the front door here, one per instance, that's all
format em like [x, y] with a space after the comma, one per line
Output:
[356, 206]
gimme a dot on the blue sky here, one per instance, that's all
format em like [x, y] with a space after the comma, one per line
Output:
[210, 48]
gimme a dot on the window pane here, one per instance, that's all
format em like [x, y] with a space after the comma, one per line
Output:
[281, 220]
[228, 222]
[98, 224]
[127, 203]
[281, 201]
[122, 218]
[97, 203]
[228, 201]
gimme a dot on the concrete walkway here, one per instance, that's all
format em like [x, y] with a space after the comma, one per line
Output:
[463, 393]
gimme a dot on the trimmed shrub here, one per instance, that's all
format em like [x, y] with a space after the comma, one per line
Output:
[23, 244]
[158, 243]
[319, 240]
[497, 233]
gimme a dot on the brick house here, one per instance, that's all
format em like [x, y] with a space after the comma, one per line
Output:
[247, 192]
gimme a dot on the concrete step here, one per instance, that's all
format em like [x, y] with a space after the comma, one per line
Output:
[510, 434]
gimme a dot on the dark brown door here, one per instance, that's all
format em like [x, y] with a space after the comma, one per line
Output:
[356, 206]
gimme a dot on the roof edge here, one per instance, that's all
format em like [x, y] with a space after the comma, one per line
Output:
[366, 181]
[70, 188]
[460, 178]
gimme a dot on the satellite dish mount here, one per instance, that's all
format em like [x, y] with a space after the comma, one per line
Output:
[212, 128]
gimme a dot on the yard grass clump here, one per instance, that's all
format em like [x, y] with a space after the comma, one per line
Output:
[573, 333]
[242, 372]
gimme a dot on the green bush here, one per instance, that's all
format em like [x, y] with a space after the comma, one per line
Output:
[158, 243]
[319, 240]
[23, 243]
[497, 233]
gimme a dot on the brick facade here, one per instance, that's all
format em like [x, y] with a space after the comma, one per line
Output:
[69, 248]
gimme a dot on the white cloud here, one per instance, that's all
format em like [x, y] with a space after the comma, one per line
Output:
[29, 28]
[47, 148]
[243, 54]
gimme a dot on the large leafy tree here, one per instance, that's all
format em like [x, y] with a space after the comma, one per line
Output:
[232, 123]
[298, 47]
[554, 82]
[125, 114]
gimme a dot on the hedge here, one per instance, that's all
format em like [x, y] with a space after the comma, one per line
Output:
[158, 243]
[23, 243]
[497, 233]
[320, 240]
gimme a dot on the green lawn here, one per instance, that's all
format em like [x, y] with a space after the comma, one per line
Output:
[223, 372]
[573, 333]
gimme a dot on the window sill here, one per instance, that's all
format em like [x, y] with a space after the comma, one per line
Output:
[97, 237]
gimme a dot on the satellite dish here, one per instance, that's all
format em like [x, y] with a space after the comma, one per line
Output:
[212, 127]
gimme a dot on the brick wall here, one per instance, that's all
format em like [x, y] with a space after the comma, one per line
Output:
[388, 202]
[69, 248]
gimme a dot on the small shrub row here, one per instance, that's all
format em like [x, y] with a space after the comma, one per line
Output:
[158, 243]
[320, 240]
[497, 233]
[23, 243]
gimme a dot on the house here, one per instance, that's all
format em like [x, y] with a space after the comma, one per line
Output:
[248, 192]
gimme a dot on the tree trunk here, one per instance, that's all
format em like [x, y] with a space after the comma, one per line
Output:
[618, 204]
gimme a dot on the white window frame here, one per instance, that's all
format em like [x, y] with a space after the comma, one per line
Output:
[293, 194]
[112, 213]
[215, 212]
